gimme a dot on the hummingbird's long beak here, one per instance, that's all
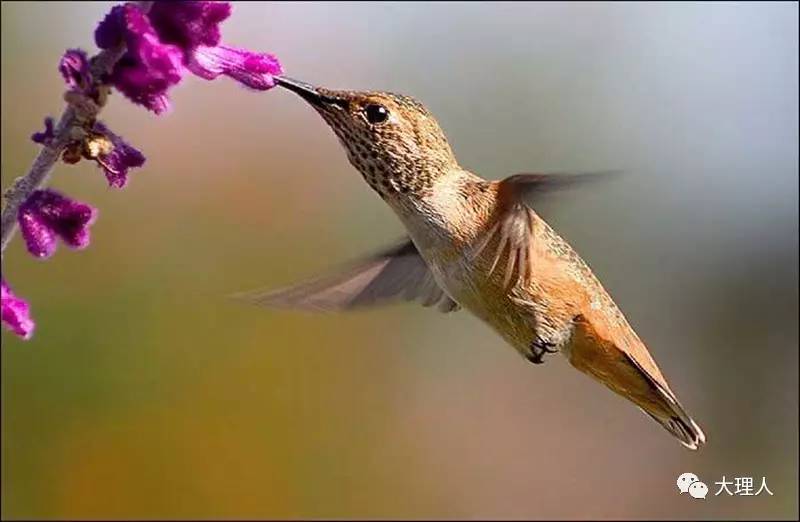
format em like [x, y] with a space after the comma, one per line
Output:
[308, 92]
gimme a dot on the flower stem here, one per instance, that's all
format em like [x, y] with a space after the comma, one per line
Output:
[73, 116]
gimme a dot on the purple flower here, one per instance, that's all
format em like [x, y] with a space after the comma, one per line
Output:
[119, 160]
[174, 35]
[194, 26]
[43, 138]
[253, 70]
[189, 24]
[46, 215]
[74, 67]
[15, 313]
[149, 67]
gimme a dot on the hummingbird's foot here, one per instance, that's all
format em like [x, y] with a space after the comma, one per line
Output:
[540, 347]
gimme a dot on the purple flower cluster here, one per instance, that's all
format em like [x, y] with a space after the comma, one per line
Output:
[160, 46]
[171, 38]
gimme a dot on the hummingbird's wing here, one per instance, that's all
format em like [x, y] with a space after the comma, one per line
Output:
[532, 184]
[512, 230]
[529, 187]
[397, 273]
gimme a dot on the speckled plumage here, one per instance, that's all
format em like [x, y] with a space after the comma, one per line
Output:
[487, 250]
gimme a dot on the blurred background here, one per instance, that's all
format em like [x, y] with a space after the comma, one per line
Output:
[146, 392]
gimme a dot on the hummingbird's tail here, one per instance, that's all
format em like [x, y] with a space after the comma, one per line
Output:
[632, 373]
[681, 426]
[668, 412]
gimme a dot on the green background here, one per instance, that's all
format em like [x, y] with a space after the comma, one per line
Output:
[146, 392]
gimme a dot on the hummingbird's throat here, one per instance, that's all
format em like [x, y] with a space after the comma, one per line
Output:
[386, 178]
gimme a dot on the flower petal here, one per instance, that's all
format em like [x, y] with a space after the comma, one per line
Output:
[110, 31]
[39, 238]
[74, 67]
[47, 214]
[188, 24]
[149, 67]
[254, 70]
[15, 313]
[45, 137]
[122, 158]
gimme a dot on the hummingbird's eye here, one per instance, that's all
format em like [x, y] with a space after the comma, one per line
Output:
[376, 113]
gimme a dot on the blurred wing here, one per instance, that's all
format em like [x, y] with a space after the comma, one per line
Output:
[510, 237]
[531, 186]
[398, 273]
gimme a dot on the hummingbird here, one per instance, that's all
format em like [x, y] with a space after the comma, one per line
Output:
[478, 245]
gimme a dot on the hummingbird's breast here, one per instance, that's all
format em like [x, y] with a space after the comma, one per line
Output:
[445, 226]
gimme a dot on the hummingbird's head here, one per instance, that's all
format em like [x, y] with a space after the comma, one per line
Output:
[393, 140]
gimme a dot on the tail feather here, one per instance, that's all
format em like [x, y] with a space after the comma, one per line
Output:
[675, 419]
[682, 427]
[631, 372]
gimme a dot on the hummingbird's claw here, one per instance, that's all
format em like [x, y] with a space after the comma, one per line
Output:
[538, 349]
